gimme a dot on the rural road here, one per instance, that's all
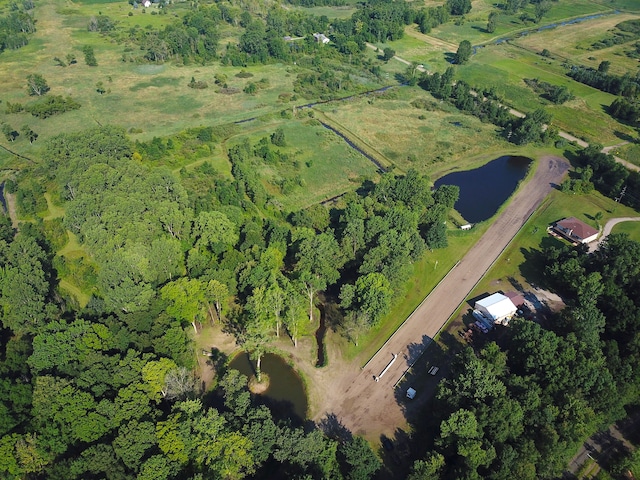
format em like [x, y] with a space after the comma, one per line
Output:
[368, 407]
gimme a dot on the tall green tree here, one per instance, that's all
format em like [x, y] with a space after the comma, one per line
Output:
[186, 300]
[319, 259]
[463, 54]
[36, 85]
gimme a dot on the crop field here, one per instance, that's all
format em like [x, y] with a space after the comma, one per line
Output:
[431, 144]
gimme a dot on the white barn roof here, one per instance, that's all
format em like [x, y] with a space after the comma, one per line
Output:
[497, 305]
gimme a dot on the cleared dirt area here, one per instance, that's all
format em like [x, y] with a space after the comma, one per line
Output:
[369, 407]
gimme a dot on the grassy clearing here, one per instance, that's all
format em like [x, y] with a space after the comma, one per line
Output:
[473, 28]
[630, 152]
[323, 161]
[519, 260]
[630, 228]
[440, 141]
[504, 67]
[573, 42]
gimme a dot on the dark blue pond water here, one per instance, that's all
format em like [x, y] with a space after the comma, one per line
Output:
[484, 190]
[286, 395]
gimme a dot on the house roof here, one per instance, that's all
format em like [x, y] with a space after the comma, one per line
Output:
[516, 298]
[498, 305]
[577, 228]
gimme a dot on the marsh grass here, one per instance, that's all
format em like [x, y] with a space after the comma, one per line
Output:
[432, 144]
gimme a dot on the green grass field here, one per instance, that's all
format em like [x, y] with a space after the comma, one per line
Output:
[441, 141]
[630, 228]
[519, 261]
[324, 161]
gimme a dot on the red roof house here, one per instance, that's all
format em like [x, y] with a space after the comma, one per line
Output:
[575, 231]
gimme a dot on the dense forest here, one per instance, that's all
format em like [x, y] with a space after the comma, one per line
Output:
[107, 390]
[84, 386]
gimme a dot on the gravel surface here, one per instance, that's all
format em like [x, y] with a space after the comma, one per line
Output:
[369, 407]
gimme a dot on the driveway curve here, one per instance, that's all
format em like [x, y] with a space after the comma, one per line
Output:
[369, 407]
[609, 226]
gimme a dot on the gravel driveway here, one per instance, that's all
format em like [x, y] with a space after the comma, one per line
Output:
[370, 408]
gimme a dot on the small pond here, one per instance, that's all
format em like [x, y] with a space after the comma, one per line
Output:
[485, 189]
[285, 396]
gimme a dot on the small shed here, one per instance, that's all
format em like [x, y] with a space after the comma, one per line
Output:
[411, 393]
[496, 308]
[575, 231]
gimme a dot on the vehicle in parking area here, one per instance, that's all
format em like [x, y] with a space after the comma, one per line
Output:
[411, 393]
[433, 370]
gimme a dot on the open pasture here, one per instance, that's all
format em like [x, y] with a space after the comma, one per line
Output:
[573, 42]
[431, 141]
[504, 67]
[473, 28]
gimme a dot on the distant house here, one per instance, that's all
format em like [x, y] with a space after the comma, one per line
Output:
[146, 3]
[575, 231]
[321, 38]
[496, 308]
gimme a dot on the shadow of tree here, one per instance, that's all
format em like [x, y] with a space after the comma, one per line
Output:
[333, 428]
[415, 350]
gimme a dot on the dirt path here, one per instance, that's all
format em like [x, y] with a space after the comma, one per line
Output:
[370, 408]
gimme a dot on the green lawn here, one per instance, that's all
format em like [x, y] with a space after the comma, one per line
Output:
[323, 161]
[630, 228]
[519, 259]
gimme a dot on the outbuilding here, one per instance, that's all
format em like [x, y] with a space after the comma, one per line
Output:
[496, 308]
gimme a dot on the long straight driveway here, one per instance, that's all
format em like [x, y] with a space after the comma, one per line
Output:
[370, 407]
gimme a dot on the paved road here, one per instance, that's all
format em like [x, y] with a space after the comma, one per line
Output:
[370, 407]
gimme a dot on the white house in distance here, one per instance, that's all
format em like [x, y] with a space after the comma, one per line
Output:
[321, 38]
[575, 231]
[496, 308]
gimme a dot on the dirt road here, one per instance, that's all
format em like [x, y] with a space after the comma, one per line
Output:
[369, 407]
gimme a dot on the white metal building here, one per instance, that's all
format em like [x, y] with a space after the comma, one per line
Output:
[497, 308]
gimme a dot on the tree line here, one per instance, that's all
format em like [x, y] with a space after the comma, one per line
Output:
[484, 105]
